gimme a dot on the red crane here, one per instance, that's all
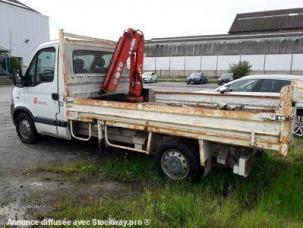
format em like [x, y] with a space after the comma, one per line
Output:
[131, 44]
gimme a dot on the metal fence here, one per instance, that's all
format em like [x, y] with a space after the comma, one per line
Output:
[177, 66]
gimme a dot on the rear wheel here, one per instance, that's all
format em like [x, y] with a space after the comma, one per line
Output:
[26, 129]
[177, 160]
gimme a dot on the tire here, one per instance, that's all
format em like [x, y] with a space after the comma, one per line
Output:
[26, 129]
[177, 160]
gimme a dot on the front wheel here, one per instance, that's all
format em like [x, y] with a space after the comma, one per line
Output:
[26, 129]
[177, 160]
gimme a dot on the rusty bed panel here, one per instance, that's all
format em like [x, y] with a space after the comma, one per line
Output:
[215, 135]
[249, 102]
[167, 108]
[260, 128]
[232, 127]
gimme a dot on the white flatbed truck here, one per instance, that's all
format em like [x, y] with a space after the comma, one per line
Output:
[58, 95]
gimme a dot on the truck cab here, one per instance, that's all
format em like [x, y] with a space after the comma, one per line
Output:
[37, 96]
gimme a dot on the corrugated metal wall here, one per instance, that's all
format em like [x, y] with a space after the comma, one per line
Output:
[289, 43]
[180, 66]
[267, 53]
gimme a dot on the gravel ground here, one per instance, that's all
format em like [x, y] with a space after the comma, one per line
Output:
[23, 192]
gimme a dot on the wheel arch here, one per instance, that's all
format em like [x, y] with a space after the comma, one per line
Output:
[19, 110]
[194, 143]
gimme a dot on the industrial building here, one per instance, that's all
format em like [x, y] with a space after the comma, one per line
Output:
[22, 30]
[272, 42]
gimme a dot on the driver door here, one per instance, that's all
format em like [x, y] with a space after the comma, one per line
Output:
[40, 91]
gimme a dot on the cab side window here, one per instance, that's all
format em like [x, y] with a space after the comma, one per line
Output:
[42, 67]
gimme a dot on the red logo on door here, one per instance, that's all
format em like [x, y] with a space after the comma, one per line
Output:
[35, 99]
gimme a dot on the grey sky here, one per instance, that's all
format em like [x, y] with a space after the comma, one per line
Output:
[156, 18]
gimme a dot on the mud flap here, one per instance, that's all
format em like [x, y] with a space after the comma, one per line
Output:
[205, 156]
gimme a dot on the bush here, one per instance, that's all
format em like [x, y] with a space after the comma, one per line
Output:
[242, 68]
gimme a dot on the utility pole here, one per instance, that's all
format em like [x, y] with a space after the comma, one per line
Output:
[10, 42]
[10, 49]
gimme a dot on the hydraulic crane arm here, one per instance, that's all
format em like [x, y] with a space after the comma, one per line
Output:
[131, 44]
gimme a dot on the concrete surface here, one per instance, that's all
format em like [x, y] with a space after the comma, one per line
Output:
[23, 192]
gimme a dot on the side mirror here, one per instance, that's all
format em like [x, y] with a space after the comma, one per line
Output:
[17, 78]
[223, 89]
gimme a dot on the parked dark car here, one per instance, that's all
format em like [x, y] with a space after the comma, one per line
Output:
[196, 78]
[225, 78]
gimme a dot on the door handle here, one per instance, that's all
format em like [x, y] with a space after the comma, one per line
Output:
[55, 96]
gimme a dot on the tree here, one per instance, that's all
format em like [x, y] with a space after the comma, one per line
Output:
[242, 68]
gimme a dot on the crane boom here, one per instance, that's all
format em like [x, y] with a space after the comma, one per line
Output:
[131, 44]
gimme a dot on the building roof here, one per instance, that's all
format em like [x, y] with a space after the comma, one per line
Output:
[223, 37]
[265, 21]
[18, 4]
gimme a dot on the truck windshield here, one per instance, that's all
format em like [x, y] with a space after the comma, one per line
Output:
[90, 61]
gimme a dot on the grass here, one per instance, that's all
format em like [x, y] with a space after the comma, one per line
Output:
[272, 196]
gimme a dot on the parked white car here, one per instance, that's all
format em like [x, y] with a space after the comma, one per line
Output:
[149, 77]
[265, 83]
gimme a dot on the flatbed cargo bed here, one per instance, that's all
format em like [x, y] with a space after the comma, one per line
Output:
[255, 122]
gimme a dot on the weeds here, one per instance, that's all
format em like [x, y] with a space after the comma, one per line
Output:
[271, 196]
